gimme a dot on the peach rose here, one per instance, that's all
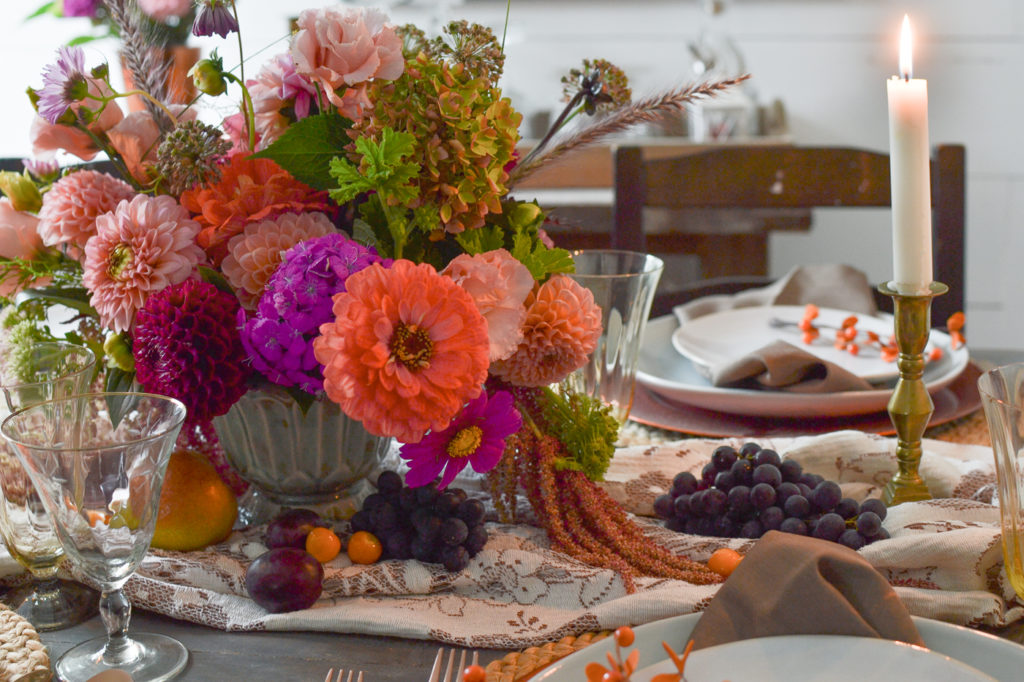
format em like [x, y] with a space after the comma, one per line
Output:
[18, 239]
[342, 47]
[48, 138]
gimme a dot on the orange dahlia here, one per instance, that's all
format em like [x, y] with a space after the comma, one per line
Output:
[407, 349]
[561, 330]
[249, 190]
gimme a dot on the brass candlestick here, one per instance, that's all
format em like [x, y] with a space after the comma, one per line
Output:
[910, 406]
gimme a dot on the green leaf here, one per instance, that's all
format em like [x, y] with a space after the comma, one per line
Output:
[381, 170]
[306, 148]
[82, 40]
[363, 233]
[119, 382]
[539, 259]
[215, 278]
[487, 238]
[303, 399]
[52, 7]
[76, 298]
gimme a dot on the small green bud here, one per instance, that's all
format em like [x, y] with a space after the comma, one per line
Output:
[22, 192]
[101, 71]
[119, 351]
[33, 97]
[208, 76]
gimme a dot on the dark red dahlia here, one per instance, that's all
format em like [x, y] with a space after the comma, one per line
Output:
[187, 347]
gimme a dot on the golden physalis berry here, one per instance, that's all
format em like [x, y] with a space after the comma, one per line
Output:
[724, 561]
[364, 548]
[323, 544]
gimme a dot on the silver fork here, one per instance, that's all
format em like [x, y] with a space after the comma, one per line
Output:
[435, 672]
[341, 671]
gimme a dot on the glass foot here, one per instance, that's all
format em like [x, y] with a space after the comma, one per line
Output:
[157, 658]
[256, 507]
[53, 605]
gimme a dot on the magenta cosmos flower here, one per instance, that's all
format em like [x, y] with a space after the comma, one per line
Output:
[475, 437]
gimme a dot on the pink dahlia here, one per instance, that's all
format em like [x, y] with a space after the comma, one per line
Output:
[70, 208]
[498, 284]
[563, 325]
[406, 350]
[254, 255]
[141, 247]
[476, 437]
[187, 346]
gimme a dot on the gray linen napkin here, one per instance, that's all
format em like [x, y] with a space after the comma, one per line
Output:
[794, 585]
[782, 366]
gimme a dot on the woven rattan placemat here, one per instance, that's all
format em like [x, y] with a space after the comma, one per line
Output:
[23, 657]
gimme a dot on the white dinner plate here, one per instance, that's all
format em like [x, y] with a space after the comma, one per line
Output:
[987, 654]
[727, 335]
[664, 371]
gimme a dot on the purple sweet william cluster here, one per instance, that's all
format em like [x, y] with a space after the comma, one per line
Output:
[278, 338]
[80, 8]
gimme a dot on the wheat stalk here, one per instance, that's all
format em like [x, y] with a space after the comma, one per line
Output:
[143, 56]
[645, 110]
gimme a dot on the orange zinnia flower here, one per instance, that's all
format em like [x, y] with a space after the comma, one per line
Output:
[407, 349]
[249, 190]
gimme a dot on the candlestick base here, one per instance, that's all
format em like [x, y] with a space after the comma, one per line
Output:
[910, 406]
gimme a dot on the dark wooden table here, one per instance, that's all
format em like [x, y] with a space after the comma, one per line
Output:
[218, 656]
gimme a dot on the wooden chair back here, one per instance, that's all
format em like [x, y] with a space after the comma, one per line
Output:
[767, 178]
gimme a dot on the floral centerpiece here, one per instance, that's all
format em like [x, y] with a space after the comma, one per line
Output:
[349, 234]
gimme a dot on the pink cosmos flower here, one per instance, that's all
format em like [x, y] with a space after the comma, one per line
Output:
[498, 284]
[70, 208]
[141, 247]
[340, 48]
[161, 10]
[475, 437]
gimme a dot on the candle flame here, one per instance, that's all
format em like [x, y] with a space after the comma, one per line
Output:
[906, 59]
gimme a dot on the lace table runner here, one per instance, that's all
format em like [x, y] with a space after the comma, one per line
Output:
[944, 559]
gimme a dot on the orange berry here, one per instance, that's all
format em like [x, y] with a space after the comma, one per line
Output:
[474, 673]
[724, 561]
[323, 543]
[850, 321]
[624, 636]
[853, 349]
[935, 354]
[810, 311]
[955, 322]
[364, 548]
[957, 339]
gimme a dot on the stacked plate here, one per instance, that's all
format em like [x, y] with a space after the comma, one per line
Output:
[674, 391]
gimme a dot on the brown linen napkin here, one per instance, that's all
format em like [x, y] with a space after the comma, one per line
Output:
[826, 286]
[794, 585]
[781, 366]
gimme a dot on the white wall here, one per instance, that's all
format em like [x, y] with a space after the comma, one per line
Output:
[827, 60]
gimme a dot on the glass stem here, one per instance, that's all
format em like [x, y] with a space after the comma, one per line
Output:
[116, 611]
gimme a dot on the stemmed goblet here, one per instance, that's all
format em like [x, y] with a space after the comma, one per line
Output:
[43, 372]
[98, 462]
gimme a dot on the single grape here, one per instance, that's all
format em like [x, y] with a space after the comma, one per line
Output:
[397, 544]
[361, 520]
[762, 496]
[454, 558]
[446, 503]
[749, 449]
[471, 511]
[425, 495]
[407, 501]
[771, 518]
[882, 534]
[805, 490]
[696, 503]
[681, 506]
[797, 506]
[873, 504]
[725, 527]
[707, 475]
[742, 472]
[847, 508]
[767, 473]
[665, 506]
[714, 502]
[791, 470]
[476, 540]
[684, 483]
[752, 529]
[868, 524]
[389, 482]
[453, 531]
[724, 480]
[427, 525]
[829, 527]
[852, 538]
[811, 480]
[723, 457]
[373, 500]
[739, 499]
[826, 495]
[794, 526]
[385, 517]
[423, 550]
[767, 456]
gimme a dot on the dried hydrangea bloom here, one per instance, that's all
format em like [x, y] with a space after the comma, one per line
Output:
[563, 325]
[406, 350]
[141, 247]
[70, 208]
[254, 255]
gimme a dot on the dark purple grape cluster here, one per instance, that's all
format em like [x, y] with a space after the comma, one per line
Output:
[429, 525]
[747, 492]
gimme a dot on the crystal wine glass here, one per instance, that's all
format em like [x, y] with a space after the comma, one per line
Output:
[98, 462]
[45, 371]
